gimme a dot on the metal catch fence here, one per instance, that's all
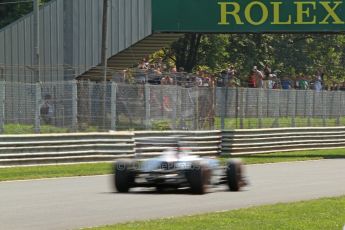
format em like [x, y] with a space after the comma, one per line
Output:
[86, 106]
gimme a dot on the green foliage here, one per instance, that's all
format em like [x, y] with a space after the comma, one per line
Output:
[161, 125]
[29, 129]
[12, 11]
[217, 46]
[53, 129]
[18, 129]
[53, 171]
[268, 122]
[291, 156]
[292, 54]
[87, 128]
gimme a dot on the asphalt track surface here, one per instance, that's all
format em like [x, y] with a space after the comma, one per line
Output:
[73, 203]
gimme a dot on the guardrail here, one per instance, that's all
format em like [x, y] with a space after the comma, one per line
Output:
[64, 148]
[255, 141]
[22, 150]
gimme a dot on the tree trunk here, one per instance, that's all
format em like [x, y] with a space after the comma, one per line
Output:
[186, 51]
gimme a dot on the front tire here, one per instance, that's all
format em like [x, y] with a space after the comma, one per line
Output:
[123, 175]
[234, 174]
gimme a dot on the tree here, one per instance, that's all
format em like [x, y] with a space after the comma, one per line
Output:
[186, 51]
[290, 53]
[10, 12]
[200, 50]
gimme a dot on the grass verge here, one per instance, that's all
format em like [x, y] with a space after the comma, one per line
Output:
[52, 171]
[38, 172]
[269, 122]
[292, 156]
[328, 213]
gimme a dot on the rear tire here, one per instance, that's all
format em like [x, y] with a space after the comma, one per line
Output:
[198, 177]
[123, 175]
[234, 174]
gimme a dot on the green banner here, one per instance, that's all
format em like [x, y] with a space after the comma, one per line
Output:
[248, 16]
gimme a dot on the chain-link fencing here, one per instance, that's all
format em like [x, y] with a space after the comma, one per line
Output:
[87, 106]
[246, 108]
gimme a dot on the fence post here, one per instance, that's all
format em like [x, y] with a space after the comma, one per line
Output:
[314, 105]
[338, 107]
[38, 102]
[243, 98]
[246, 108]
[174, 115]
[74, 106]
[323, 109]
[293, 120]
[237, 106]
[276, 115]
[90, 87]
[2, 105]
[196, 110]
[259, 107]
[147, 107]
[309, 109]
[214, 95]
[224, 103]
[113, 105]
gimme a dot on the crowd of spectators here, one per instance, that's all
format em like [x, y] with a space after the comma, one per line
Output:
[271, 80]
[159, 73]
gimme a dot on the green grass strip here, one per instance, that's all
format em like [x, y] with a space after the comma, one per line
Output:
[52, 171]
[293, 156]
[328, 213]
[281, 122]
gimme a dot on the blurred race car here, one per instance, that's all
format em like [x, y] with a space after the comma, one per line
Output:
[177, 168]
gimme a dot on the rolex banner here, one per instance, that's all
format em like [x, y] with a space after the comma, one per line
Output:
[248, 16]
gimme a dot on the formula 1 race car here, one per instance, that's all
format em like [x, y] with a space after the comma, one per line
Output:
[176, 168]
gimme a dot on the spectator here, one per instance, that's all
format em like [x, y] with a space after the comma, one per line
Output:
[267, 83]
[221, 79]
[167, 80]
[270, 81]
[47, 110]
[342, 86]
[159, 63]
[267, 71]
[174, 75]
[173, 69]
[154, 77]
[144, 65]
[212, 82]
[303, 83]
[206, 79]
[318, 82]
[286, 83]
[252, 79]
[229, 76]
[231, 73]
[198, 81]
[259, 77]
